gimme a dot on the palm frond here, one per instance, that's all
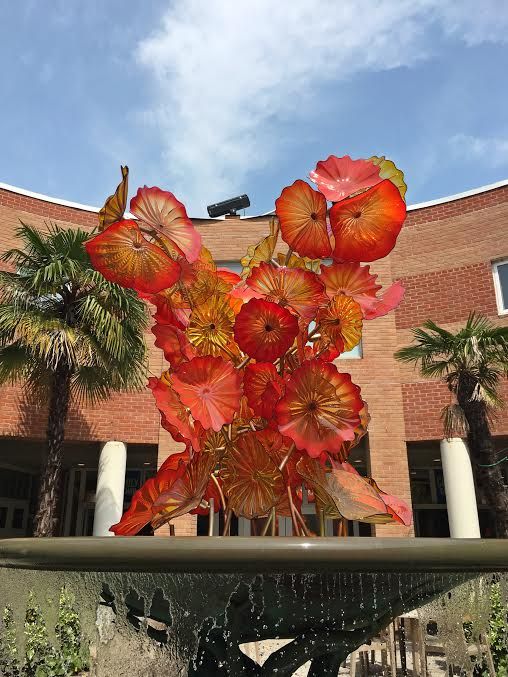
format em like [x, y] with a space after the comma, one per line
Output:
[58, 310]
[476, 357]
[15, 363]
[454, 421]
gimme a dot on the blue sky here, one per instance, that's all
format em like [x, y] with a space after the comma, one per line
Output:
[212, 98]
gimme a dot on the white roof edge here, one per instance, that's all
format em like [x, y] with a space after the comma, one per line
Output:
[47, 198]
[459, 196]
[88, 208]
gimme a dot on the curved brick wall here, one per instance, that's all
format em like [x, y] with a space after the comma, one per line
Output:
[444, 258]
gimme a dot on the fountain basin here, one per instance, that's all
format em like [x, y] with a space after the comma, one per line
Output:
[210, 595]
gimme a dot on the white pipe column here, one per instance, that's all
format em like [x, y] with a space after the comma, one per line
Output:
[110, 487]
[459, 486]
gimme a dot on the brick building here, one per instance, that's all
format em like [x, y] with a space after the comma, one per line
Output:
[452, 257]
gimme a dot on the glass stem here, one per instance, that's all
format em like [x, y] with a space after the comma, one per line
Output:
[211, 515]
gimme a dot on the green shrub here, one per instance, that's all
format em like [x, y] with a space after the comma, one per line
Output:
[9, 664]
[497, 635]
[43, 659]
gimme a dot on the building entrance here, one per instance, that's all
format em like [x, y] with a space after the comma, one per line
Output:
[79, 499]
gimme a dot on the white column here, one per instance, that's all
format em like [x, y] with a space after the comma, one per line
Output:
[110, 487]
[459, 487]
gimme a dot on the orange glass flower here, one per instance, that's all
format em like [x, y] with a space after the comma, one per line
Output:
[302, 215]
[210, 327]
[355, 280]
[351, 279]
[171, 307]
[398, 509]
[125, 257]
[338, 177]
[173, 460]
[320, 408]
[265, 330]
[211, 491]
[300, 289]
[277, 447]
[174, 343]
[228, 276]
[211, 388]
[199, 280]
[344, 493]
[324, 350]
[341, 322]
[366, 227]
[165, 312]
[252, 481]
[245, 419]
[360, 431]
[209, 283]
[243, 293]
[175, 417]
[389, 300]
[263, 388]
[186, 492]
[212, 442]
[140, 511]
[160, 210]
[192, 270]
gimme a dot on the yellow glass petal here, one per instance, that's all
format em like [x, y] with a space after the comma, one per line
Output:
[262, 251]
[341, 319]
[115, 204]
[389, 170]
[210, 327]
[299, 262]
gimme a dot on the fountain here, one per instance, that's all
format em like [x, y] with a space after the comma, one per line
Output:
[253, 393]
[156, 606]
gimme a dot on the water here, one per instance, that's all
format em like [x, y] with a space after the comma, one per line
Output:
[194, 623]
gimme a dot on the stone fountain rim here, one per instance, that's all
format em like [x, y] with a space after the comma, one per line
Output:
[238, 554]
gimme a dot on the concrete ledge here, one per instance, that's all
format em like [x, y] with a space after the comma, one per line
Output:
[262, 555]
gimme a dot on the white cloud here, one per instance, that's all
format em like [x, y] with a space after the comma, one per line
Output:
[475, 22]
[227, 71]
[491, 151]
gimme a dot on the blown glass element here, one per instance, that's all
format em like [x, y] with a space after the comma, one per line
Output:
[251, 388]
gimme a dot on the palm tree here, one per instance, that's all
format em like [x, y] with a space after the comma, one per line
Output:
[472, 363]
[67, 333]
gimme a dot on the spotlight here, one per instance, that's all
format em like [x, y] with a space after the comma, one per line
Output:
[228, 206]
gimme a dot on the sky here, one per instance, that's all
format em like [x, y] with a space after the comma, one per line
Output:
[215, 98]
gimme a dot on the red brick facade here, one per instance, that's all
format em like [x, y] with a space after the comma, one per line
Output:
[440, 295]
[443, 257]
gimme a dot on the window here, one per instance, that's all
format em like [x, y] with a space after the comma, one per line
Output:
[233, 266]
[500, 272]
[18, 518]
[355, 354]
[15, 484]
